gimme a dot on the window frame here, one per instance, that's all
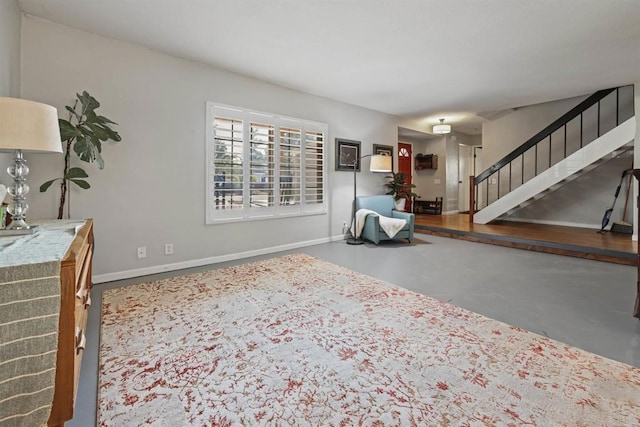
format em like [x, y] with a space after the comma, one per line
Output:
[308, 192]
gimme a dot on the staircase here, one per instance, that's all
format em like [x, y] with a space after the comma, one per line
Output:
[545, 162]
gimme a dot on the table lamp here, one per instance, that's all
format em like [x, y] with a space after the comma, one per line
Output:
[25, 126]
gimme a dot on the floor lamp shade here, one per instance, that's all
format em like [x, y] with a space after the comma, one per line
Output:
[25, 126]
[380, 163]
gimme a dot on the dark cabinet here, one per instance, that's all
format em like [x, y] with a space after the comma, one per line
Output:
[426, 161]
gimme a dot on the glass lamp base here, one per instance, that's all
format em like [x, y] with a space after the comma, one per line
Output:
[17, 231]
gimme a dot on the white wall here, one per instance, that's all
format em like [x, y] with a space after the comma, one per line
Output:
[152, 190]
[473, 140]
[581, 202]
[10, 23]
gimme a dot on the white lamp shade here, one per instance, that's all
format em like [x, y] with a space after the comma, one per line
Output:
[380, 163]
[28, 125]
[440, 129]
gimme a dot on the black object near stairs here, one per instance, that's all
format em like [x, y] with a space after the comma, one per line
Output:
[620, 226]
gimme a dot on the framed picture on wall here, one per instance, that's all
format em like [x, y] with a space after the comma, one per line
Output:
[385, 150]
[347, 153]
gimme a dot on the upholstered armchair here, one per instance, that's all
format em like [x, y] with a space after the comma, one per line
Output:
[383, 205]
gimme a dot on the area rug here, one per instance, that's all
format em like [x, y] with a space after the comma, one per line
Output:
[298, 341]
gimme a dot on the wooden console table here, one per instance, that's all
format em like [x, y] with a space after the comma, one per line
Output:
[45, 285]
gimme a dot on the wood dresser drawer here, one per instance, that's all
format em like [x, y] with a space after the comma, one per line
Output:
[75, 294]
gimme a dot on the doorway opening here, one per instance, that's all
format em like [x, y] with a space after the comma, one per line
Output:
[469, 164]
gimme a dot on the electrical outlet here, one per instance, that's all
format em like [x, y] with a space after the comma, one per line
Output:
[168, 249]
[345, 227]
[142, 252]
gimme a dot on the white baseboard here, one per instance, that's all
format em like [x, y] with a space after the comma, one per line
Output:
[127, 274]
[561, 223]
[451, 212]
[340, 237]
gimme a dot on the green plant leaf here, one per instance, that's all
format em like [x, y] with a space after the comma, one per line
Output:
[44, 187]
[103, 119]
[76, 173]
[84, 149]
[99, 132]
[99, 159]
[67, 130]
[88, 102]
[113, 135]
[72, 111]
[81, 183]
[86, 130]
[91, 117]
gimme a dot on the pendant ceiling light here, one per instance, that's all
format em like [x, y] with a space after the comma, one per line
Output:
[441, 128]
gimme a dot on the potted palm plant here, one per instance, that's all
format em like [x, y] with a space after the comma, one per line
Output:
[399, 189]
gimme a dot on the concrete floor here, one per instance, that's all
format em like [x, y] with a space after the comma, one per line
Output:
[583, 303]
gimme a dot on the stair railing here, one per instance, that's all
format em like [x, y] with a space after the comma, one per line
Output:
[503, 173]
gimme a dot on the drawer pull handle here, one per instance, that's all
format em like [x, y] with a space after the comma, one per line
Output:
[85, 296]
[81, 341]
[83, 263]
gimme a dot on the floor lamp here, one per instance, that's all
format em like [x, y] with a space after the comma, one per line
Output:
[25, 126]
[379, 163]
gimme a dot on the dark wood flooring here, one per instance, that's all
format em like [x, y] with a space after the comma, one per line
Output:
[570, 241]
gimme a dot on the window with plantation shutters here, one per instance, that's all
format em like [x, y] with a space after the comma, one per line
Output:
[228, 163]
[290, 155]
[261, 169]
[314, 168]
[261, 165]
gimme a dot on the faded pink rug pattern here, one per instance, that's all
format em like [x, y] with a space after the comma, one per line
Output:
[299, 341]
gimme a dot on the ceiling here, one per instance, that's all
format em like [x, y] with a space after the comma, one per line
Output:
[418, 59]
